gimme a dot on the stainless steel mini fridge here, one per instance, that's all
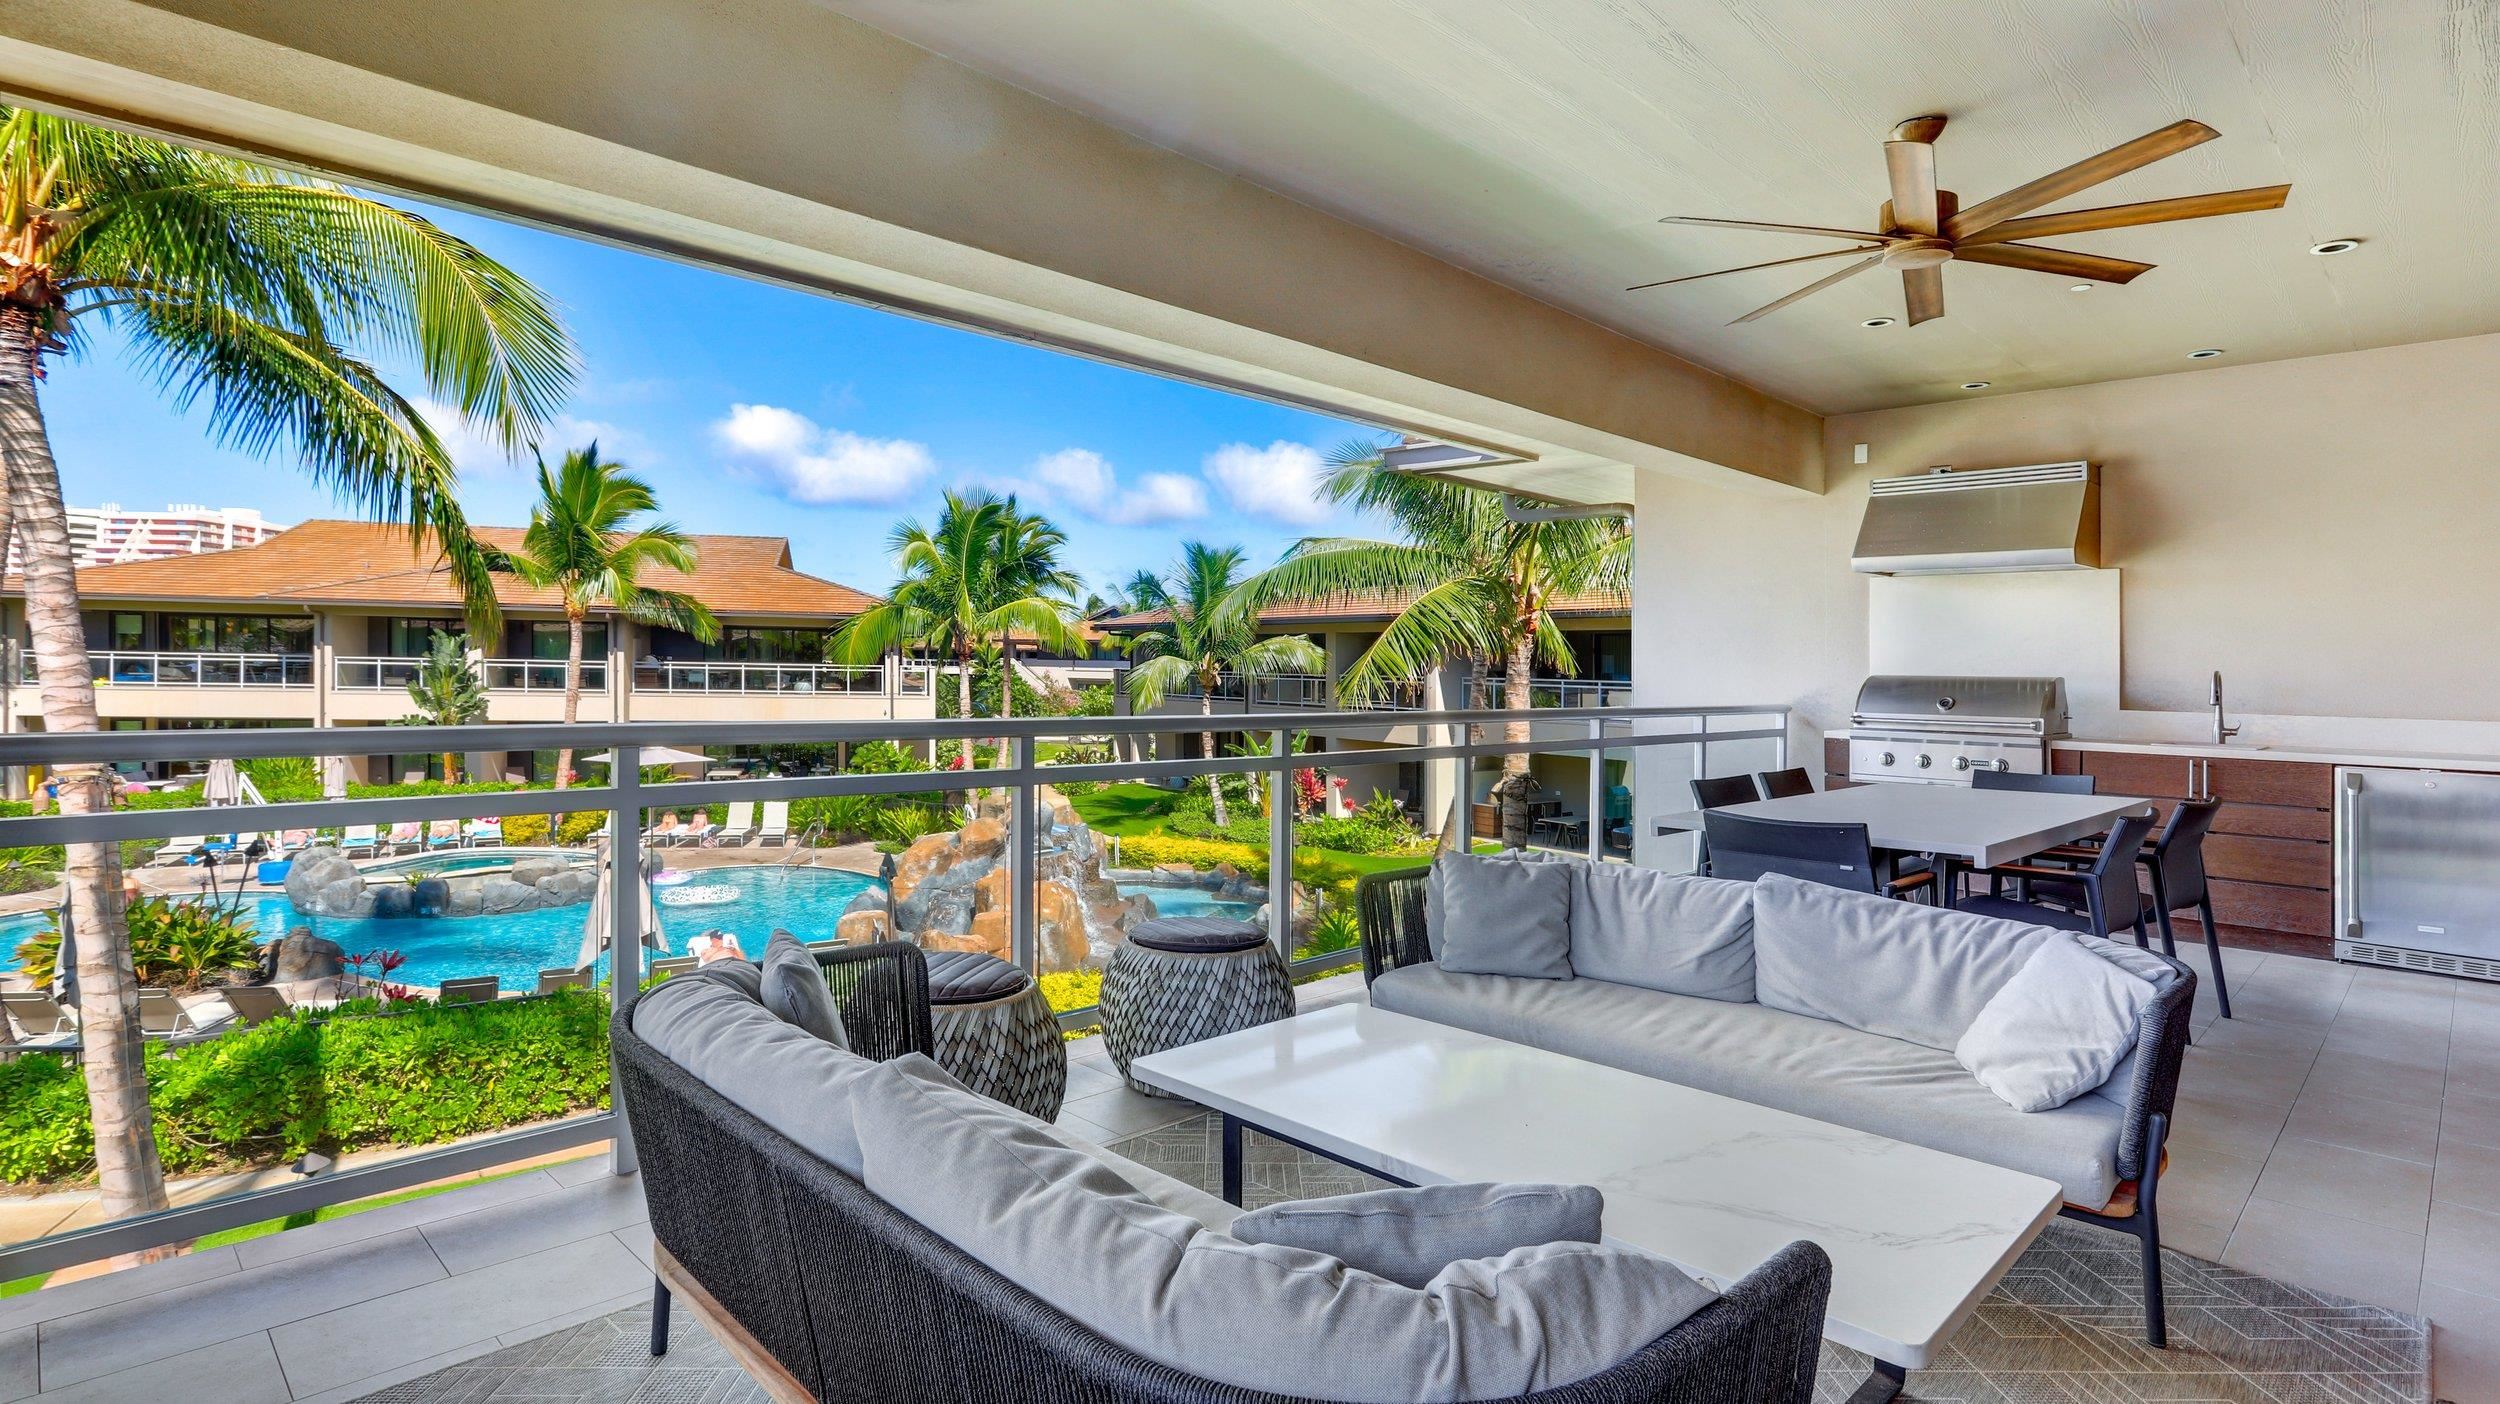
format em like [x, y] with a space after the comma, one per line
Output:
[2417, 869]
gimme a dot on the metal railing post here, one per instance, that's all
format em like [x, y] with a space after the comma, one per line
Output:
[1024, 850]
[625, 881]
[1597, 792]
[1280, 846]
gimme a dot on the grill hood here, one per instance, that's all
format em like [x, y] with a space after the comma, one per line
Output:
[2043, 517]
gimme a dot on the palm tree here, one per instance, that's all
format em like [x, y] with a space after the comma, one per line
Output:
[1477, 584]
[582, 544]
[985, 572]
[238, 289]
[1206, 639]
[446, 691]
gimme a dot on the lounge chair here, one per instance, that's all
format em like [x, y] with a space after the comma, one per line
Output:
[162, 1016]
[699, 833]
[443, 833]
[473, 989]
[177, 850]
[256, 1004]
[365, 839]
[407, 837]
[776, 828]
[40, 1018]
[484, 833]
[550, 981]
[741, 825]
[665, 833]
[674, 965]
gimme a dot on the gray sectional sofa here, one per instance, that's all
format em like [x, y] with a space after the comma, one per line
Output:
[857, 1226]
[1840, 1006]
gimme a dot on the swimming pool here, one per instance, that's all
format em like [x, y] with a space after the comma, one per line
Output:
[806, 902]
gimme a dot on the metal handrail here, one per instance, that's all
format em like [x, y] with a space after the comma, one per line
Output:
[541, 674]
[158, 668]
[707, 675]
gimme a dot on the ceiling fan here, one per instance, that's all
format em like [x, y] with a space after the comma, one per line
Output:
[1921, 228]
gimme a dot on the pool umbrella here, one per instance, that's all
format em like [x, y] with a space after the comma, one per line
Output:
[334, 777]
[224, 784]
[654, 755]
[599, 929]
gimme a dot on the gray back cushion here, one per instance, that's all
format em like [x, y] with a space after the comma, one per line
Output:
[795, 989]
[1900, 969]
[712, 1023]
[1062, 1226]
[1409, 1235]
[1434, 881]
[1663, 931]
[1505, 918]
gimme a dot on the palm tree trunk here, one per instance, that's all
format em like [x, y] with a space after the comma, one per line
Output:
[1006, 692]
[1206, 746]
[963, 701]
[131, 1180]
[572, 690]
[1518, 697]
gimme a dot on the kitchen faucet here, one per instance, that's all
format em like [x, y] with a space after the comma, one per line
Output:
[2222, 732]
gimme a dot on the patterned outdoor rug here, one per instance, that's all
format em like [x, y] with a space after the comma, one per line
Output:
[2065, 1327]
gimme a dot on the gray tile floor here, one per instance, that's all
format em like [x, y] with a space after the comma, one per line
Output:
[2342, 1133]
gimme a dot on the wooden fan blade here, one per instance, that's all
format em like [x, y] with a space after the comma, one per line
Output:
[1912, 167]
[1861, 235]
[2082, 175]
[1748, 268]
[2065, 263]
[1923, 289]
[1809, 289]
[2049, 226]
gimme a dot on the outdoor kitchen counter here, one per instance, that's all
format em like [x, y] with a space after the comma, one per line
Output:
[2314, 755]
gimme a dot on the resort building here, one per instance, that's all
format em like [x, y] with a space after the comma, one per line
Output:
[325, 624]
[110, 534]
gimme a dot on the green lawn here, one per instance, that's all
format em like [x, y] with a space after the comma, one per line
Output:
[1130, 809]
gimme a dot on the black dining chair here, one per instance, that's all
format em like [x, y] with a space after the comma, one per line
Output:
[2106, 888]
[1719, 791]
[1785, 784]
[1743, 848]
[2175, 858]
[2037, 784]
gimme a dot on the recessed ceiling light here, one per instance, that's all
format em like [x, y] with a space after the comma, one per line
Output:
[2080, 287]
[1876, 322]
[2334, 246]
[2205, 355]
[1974, 385]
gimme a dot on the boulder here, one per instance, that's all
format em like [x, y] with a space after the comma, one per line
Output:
[431, 896]
[497, 894]
[943, 941]
[464, 902]
[349, 896]
[1060, 929]
[990, 933]
[395, 900]
[874, 899]
[989, 892]
[928, 856]
[300, 955]
[983, 837]
[534, 872]
[861, 928]
[571, 887]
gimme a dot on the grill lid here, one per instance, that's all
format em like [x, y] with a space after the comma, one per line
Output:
[1967, 702]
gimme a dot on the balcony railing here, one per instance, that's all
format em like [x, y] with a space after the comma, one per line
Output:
[1491, 694]
[1291, 690]
[761, 678]
[541, 675]
[115, 668]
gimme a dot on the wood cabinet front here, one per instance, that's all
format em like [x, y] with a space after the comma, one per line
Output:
[2271, 853]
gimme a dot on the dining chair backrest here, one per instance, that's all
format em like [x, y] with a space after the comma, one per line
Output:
[2037, 784]
[1785, 784]
[255, 1004]
[2110, 895]
[472, 989]
[1719, 791]
[2179, 852]
[1743, 848]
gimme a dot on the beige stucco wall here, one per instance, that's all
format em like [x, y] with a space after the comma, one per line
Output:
[2320, 530]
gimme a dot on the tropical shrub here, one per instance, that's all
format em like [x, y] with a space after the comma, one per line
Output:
[884, 758]
[1157, 850]
[423, 1075]
[1356, 833]
[175, 944]
[1336, 930]
[284, 779]
[1072, 989]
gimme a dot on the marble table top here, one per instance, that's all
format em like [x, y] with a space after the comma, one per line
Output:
[1916, 1237]
[1986, 827]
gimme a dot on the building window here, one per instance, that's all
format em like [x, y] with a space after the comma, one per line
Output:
[232, 633]
[743, 645]
[548, 638]
[409, 638]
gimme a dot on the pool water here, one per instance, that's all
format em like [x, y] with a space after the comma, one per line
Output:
[806, 902]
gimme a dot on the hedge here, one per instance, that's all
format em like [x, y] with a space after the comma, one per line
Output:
[421, 1075]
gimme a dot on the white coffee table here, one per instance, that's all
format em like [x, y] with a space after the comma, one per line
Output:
[1916, 1237]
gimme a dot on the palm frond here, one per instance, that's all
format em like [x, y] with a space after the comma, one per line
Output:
[1451, 619]
[1158, 679]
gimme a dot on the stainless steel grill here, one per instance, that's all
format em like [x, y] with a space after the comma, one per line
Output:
[1937, 730]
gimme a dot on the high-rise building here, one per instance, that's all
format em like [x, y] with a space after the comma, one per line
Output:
[108, 535]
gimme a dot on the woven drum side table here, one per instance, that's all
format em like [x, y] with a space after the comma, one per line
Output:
[995, 1032]
[1179, 980]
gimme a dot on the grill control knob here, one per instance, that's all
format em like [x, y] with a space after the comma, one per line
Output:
[1887, 757]
[1961, 762]
[1925, 761]
[2004, 764]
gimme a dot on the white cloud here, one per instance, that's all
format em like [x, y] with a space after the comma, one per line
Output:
[1281, 481]
[1086, 482]
[809, 463]
[477, 454]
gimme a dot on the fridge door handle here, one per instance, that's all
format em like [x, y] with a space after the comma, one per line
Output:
[2347, 896]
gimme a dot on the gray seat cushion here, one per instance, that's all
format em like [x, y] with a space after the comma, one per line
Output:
[1811, 1067]
[712, 1022]
[1900, 969]
[1409, 1235]
[1062, 1226]
[1662, 931]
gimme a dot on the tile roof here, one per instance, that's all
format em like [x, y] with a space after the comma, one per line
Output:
[1367, 609]
[368, 563]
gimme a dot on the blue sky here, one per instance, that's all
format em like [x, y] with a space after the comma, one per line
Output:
[759, 410]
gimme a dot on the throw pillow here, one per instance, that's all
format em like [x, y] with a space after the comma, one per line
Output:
[1506, 918]
[1435, 920]
[2057, 1029]
[1661, 931]
[1901, 969]
[1409, 1235]
[795, 989]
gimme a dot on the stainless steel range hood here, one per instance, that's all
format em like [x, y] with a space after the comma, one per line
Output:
[2043, 517]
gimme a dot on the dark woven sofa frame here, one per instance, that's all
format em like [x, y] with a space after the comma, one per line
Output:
[1390, 909]
[826, 1292]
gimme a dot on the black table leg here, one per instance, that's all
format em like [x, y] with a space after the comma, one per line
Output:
[1883, 1383]
[1232, 1159]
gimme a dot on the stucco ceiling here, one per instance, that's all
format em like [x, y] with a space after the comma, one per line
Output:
[1538, 141]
